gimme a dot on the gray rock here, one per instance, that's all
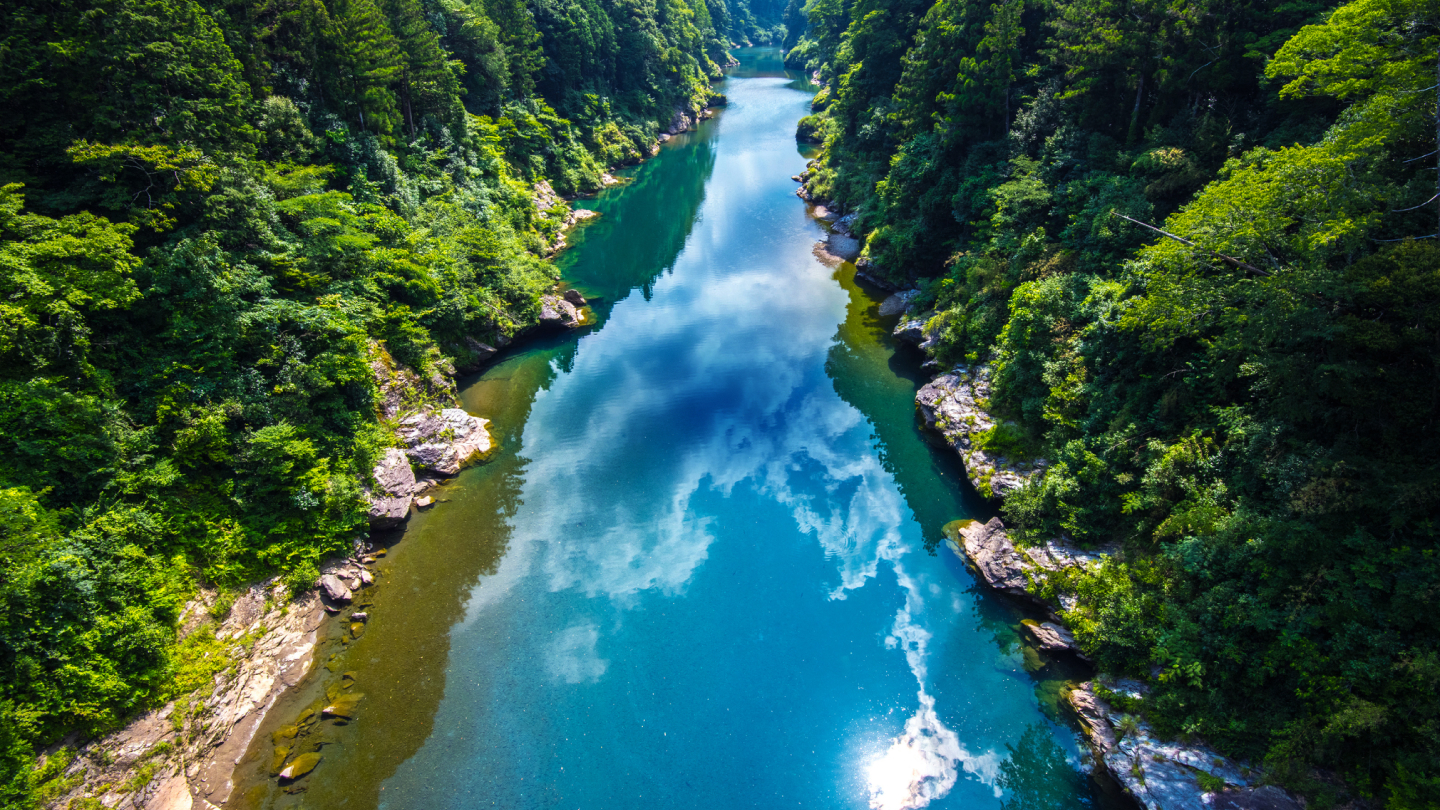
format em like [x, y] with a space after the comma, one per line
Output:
[445, 442]
[955, 405]
[575, 298]
[1053, 638]
[335, 589]
[557, 312]
[911, 330]
[389, 501]
[843, 247]
[392, 473]
[898, 303]
[1268, 797]
[481, 354]
[990, 551]
[386, 512]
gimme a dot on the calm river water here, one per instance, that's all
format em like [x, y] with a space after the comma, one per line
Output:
[701, 571]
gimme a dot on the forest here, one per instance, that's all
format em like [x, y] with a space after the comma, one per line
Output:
[1197, 242]
[215, 217]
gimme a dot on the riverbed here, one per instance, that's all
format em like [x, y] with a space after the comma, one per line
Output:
[705, 569]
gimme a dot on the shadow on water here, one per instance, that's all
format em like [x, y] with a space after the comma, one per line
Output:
[398, 662]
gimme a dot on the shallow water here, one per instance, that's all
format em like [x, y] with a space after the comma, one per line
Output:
[701, 570]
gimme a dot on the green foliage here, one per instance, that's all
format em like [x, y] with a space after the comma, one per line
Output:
[1246, 414]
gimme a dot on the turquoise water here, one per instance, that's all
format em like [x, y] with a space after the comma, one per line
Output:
[701, 571]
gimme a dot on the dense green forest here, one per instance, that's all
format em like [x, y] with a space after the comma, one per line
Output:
[215, 217]
[1249, 408]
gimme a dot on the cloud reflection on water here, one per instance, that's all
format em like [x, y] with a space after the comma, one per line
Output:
[793, 440]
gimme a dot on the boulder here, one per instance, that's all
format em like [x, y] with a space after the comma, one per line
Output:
[898, 303]
[989, 550]
[480, 355]
[392, 473]
[1053, 637]
[575, 298]
[336, 590]
[444, 442]
[1267, 797]
[557, 312]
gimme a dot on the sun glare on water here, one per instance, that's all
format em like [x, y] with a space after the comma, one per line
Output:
[920, 766]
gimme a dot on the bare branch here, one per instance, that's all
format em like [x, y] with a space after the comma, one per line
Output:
[1182, 240]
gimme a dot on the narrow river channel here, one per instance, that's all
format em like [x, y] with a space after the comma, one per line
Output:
[702, 572]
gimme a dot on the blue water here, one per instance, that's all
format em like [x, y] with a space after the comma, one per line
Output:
[698, 575]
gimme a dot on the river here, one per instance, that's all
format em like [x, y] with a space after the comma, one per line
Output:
[702, 571]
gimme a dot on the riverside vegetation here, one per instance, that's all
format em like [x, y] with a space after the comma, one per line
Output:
[1246, 403]
[216, 217]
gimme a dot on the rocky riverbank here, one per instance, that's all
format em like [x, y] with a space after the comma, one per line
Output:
[183, 755]
[1159, 774]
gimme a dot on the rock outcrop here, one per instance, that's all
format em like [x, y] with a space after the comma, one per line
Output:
[955, 405]
[401, 388]
[481, 354]
[444, 442]
[1165, 775]
[1019, 572]
[189, 748]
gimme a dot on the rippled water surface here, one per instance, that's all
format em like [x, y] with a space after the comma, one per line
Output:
[697, 573]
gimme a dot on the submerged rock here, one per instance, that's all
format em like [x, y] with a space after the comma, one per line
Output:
[344, 706]
[955, 405]
[301, 765]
